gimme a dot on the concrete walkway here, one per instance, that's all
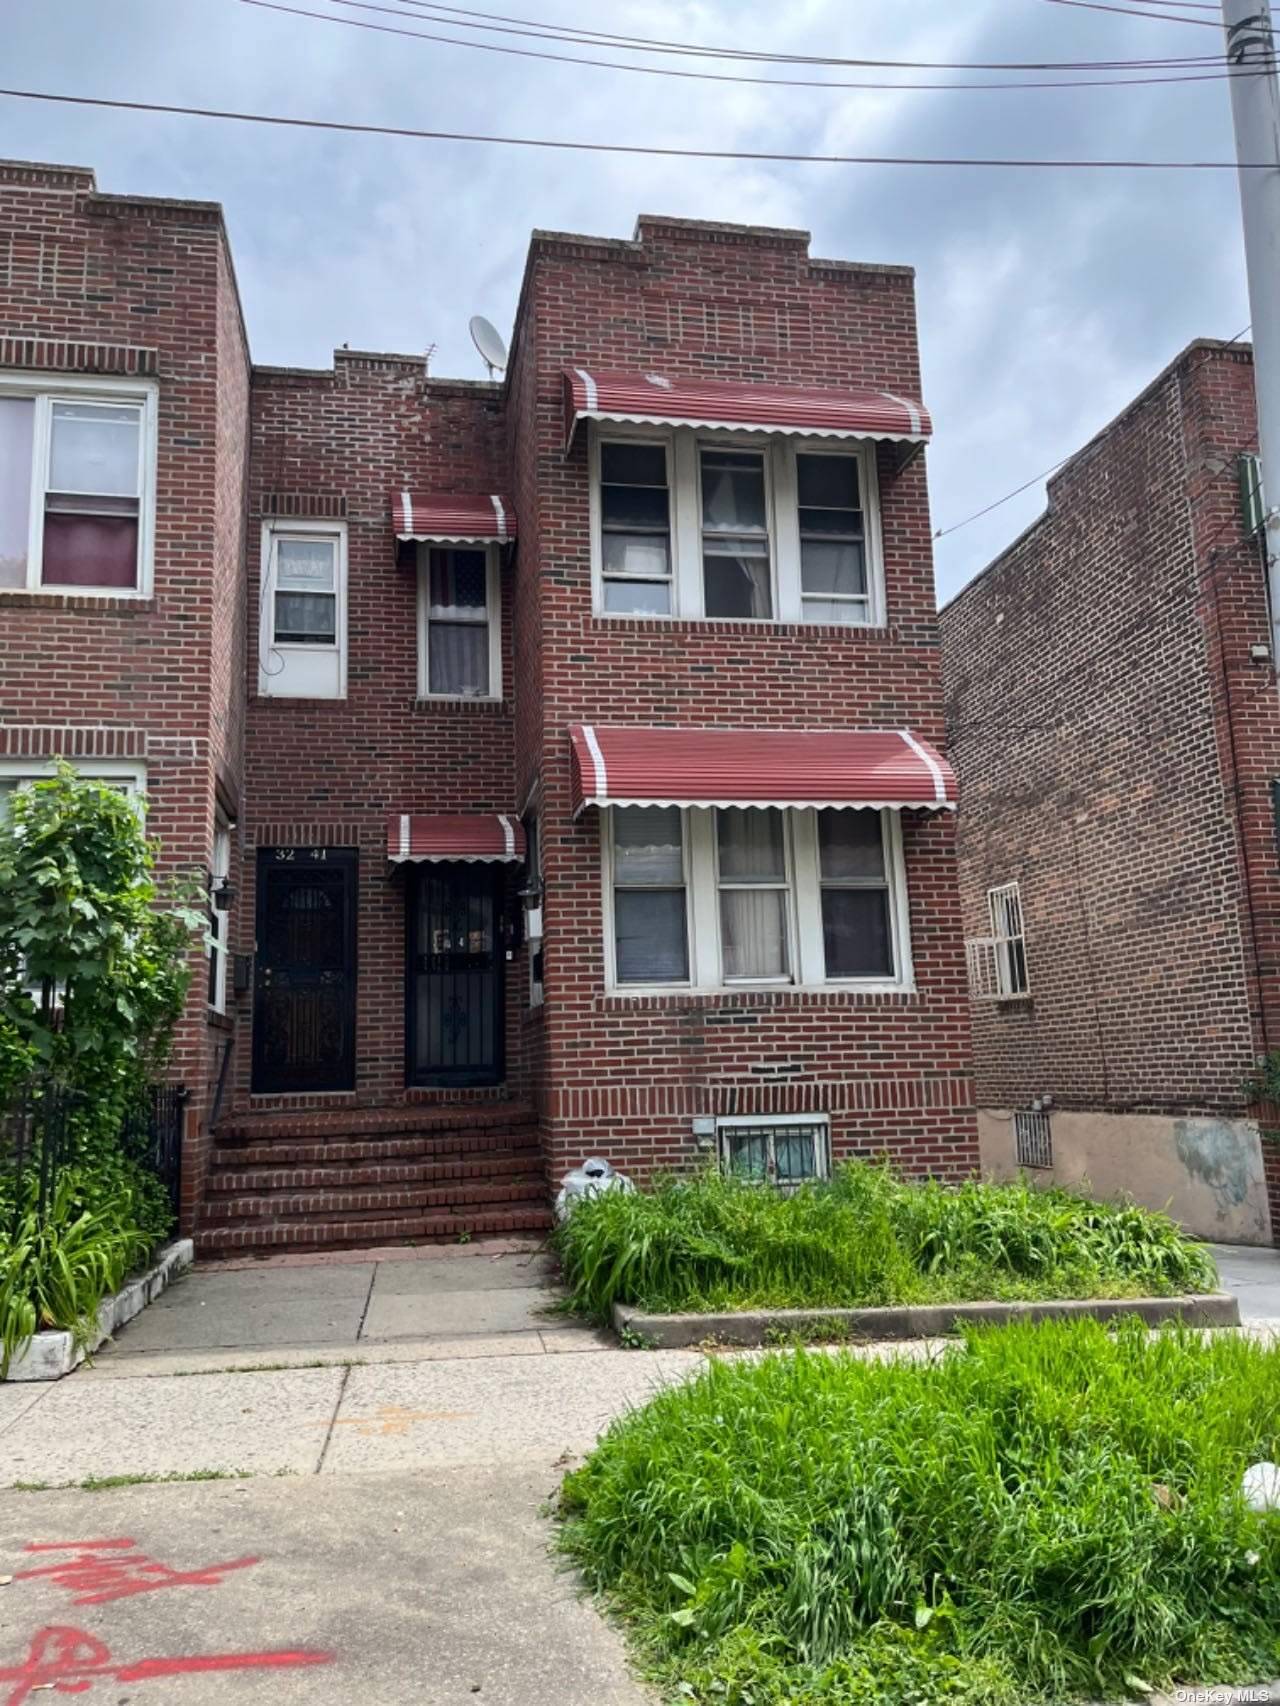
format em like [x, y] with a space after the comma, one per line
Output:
[1252, 1272]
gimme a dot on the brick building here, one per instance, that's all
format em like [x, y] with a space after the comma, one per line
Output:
[1113, 714]
[564, 751]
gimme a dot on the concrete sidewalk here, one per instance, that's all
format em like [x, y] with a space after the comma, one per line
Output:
[435, 1589]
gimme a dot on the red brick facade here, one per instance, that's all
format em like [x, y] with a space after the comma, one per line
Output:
[1117, 733]
[141, 287]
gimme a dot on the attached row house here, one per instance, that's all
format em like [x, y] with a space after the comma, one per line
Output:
[1113, 713]
[563, 754]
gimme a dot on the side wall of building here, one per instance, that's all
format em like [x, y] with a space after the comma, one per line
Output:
[628, 1074]
[1085, 718]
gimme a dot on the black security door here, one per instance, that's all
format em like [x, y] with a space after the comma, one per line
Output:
[304, 1006]
[455, 975]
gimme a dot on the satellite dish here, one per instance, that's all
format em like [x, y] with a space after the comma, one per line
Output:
[484, 335]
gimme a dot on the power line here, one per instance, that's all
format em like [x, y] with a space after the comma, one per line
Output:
[716, 76]
[1017, 491]
[658, 150]
[583, 36]
[1131, 12]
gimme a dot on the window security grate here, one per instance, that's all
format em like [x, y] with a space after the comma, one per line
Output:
[1033, 1138]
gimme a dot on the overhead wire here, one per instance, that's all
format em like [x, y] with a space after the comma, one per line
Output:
[656, 150]
[718, 76]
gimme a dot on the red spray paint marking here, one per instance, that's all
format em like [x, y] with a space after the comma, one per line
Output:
[105, 1570]
[70, 1661]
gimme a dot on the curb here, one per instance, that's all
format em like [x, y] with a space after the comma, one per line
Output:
[931, 1321]
[50, 1355]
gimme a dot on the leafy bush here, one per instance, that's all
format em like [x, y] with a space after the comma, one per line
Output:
[1051, 1513]
[865, 1238]
[56, 1268]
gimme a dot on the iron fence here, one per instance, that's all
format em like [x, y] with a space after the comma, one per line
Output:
[39, 1139]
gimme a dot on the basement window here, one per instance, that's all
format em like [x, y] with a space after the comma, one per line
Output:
[783, 1151]
[1033, 1138]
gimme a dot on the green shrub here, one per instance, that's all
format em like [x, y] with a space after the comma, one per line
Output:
[866, 1238]
[1050, 1513]
[56, 1269]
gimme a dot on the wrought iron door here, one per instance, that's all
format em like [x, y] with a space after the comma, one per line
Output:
[455, 976]
[304, 1005]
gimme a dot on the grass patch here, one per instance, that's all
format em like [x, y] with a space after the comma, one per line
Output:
[1051, 1514]
[864, 1239]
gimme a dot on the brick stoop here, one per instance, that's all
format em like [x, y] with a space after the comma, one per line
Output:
[362, 1177]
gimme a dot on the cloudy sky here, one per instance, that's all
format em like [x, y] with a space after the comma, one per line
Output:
[1047, 298]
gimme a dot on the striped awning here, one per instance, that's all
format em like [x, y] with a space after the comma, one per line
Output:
[758, 767]
[473, 837]
[660, 399]
[453, 520]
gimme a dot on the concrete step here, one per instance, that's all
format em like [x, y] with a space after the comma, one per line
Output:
[364, 1233]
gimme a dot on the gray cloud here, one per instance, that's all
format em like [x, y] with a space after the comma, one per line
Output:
[1047, 299]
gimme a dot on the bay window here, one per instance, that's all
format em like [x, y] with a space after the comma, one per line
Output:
[77, 476]
[459, 634]
[767, 528]
[722, 897]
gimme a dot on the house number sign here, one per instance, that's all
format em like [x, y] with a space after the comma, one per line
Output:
[291, 855]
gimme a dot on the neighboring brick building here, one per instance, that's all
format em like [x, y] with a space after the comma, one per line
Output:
[1112, 710]
[590, 799]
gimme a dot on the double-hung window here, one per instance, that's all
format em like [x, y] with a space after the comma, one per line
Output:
[635, 528]
[650, 908]
[459, 636]
[303, 639]
[833, 552]
[857, 925]
[219, 916]
[735, 533]
[76, 487]
[776, 529]
[725, 897]
[755, 894]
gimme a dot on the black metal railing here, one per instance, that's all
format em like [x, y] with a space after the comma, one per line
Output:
[153, 1136]
[39, 1139]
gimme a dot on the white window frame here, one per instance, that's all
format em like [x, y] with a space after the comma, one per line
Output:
[820, 1123]
[273, 657]
[493, 606]
[129, 774]
[217, 946]
[46, 390]
[665, 441]
[682, 445]
[788, 889]
[808, 953]
[990, 958]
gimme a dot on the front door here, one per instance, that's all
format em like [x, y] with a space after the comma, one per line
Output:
[455, 975]
[304, 1003]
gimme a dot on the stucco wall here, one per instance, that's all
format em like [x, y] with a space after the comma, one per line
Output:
[1207, 1173]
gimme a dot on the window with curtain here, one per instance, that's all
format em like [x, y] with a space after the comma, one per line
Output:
[833, 561]
[857, 933]
[754, 894]
[306, 590]
[735, 533]
[651, 939]
[458, 618]
[635, 528]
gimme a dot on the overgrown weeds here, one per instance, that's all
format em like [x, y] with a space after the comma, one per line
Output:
[1052, 1514]
[863, 1239]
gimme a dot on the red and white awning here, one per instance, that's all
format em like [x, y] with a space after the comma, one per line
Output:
[453, 519]
[473, 837]
[758, 767]
[660, 399]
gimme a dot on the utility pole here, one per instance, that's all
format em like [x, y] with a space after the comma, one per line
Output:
[1255, 109]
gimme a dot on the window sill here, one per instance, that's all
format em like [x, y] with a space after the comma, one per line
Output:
[757, 995]
[116, 599]
[219, 1021]
[450, 705]
[296, 699]
[742, 624]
